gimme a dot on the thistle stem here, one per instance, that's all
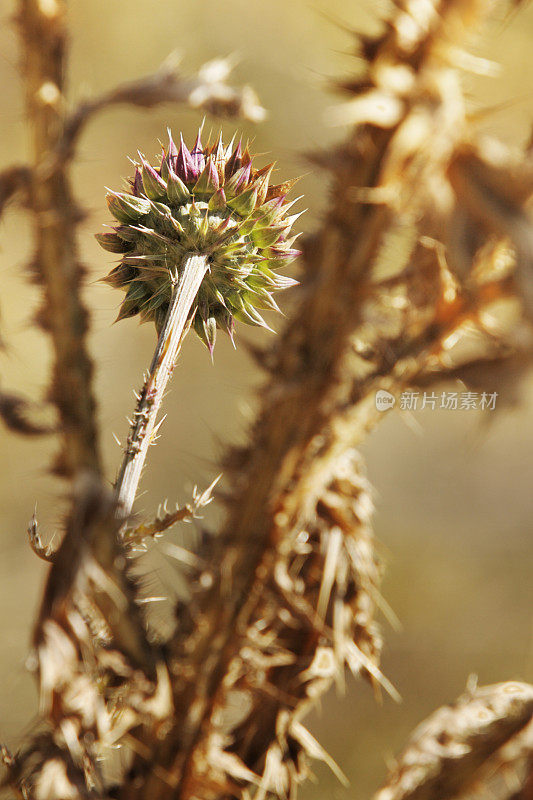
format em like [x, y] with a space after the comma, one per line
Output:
[175, 328]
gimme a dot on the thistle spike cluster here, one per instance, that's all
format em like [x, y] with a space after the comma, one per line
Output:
[209, 201]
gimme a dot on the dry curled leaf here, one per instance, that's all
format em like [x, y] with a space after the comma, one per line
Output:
[447, 754]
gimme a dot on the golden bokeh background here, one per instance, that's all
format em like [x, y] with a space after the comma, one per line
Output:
[453, 494]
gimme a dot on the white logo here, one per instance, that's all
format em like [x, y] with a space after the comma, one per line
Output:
[384, 400]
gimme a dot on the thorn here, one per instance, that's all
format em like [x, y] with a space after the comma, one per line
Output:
[154, 434]
[117, 440]
[47, 552]
[144, 600]
[206, 497]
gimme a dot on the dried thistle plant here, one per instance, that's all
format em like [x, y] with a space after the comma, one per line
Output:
[426, 236]
[200, 237]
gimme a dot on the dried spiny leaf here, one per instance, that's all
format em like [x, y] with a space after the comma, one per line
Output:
[322, 592]
[447, 753]
[144, 530]
[99, 677]
[492, 186]
[46, 552]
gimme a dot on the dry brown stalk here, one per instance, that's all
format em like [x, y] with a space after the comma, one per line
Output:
[12, 181]
[56, 215]
[98, 675]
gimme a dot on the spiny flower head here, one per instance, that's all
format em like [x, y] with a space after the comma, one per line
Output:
[209, 201]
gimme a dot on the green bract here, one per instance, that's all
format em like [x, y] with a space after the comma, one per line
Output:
[209, 201]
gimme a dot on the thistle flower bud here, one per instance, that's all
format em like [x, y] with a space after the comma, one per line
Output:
[209, 201]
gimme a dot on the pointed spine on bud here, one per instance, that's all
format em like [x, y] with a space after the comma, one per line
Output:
[245, 202]
[207, 182]
[184, 167]
[113, 243]
[218, 201]
[206, 328]
[238, 181]
[127, 208]
[154, 186]
[234, 160]
[137, 183]
[197, 155]
[219, 159]
[177, 190]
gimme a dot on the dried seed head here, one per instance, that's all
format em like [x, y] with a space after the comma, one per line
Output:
[209, 201]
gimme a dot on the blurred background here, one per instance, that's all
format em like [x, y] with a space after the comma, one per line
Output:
[452, 488]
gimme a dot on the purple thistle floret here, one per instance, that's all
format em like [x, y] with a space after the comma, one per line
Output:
[137, 183]
[197, 155]
[184, 166]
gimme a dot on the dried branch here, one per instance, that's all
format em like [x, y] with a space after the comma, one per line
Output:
[13, 180]
[207, 91]
[307, 586]
[145, 530]
[56, 216]
[16, 413]
[98, 675]
[313, 617]
[454, 753]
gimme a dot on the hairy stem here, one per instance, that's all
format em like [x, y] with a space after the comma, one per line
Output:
[56, 216]
[172, 334]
